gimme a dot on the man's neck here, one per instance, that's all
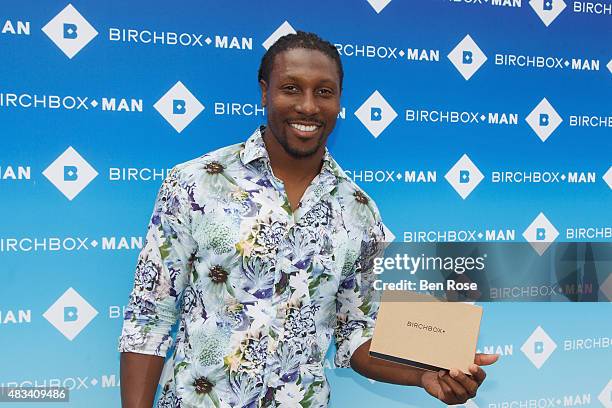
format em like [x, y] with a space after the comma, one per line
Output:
[291, 169]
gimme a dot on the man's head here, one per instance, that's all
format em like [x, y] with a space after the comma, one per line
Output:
[301, 80]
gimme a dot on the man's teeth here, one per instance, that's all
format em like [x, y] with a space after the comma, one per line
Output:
[304, 128]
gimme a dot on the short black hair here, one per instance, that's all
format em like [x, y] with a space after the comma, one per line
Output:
[300, 39]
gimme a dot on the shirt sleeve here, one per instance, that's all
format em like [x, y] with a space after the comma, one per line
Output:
[357, 301]
[162, 272]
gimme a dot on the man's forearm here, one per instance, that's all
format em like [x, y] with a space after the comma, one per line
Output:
[385, 371]
[139, 378]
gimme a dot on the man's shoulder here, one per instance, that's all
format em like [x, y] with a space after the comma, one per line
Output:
[347, 187]
[349, 190]
[196, 166]
[354, 199]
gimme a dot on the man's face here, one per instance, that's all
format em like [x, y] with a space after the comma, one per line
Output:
[302, 97]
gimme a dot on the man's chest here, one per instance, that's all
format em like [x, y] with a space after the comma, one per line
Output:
[252, 247]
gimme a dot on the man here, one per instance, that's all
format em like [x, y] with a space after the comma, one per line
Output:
[261, 251]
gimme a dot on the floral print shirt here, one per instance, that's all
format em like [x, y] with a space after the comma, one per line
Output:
[258, 290]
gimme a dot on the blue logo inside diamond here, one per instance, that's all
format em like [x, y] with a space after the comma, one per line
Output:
[464, 176]
[540, 234]
[544, 119]
[538, 347]
[548, 5]
[467, 57]
[178, 107]
[70, 313]
[70, 173]
[375, 114]
[70, 31]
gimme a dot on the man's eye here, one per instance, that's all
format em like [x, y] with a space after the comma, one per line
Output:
[325, 92]
[290, 88]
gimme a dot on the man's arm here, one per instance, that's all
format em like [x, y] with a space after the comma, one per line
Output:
[162, 273]
[139, 378]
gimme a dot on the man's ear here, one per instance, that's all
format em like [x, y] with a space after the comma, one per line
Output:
[264, 92]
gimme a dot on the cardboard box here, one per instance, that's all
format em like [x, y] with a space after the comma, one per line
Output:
[424, 332]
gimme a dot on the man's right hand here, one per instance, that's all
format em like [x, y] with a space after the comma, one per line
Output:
[455, 387]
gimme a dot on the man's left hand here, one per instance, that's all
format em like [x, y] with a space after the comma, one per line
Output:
[455, 387]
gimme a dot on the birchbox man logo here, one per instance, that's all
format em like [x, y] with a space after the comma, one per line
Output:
[70, 173]
[179, 107]
[69, 31]
[376, 114]
[379, 5]
[538, 347]
[547, 10]
[281, 31]
[544, 119]
[70, 314]
[608, 177]
[605, 397]
[540, 234]
[467, 57]
[464, 176]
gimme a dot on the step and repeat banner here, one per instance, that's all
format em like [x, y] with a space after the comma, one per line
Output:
[465, 120]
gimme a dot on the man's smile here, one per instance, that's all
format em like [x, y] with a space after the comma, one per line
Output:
[305, 129]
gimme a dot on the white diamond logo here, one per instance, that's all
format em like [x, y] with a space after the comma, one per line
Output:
[547, 10]
[179, 107]
[538, 347]
[389, 236]
[464, 176]
[606, 288]
[376, 114]
[544, 119]
[467, 57]
[609, 66]
[281, 31]
[605, 397]
[379, 5]
[608, 177]
[69, 31]
[70, 314]
[70, 173]
[540, 234]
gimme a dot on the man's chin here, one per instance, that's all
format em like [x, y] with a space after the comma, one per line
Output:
[300, 154]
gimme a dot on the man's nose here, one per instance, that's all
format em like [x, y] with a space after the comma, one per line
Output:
[307, 105]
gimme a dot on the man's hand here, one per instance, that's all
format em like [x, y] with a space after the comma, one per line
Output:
[455, 387]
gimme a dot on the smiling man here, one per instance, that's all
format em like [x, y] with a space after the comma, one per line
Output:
[263, 252]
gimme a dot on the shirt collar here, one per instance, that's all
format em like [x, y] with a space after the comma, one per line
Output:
[255, 149]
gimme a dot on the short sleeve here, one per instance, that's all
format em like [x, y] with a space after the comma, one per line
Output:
[162, 272]
[357, 301]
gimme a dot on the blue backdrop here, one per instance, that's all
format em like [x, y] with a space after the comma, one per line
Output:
[89, 123]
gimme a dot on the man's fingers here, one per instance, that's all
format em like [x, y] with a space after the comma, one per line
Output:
[459, 393]
[447, 391]
[485, 359]
[470, 385]
[478, 374]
